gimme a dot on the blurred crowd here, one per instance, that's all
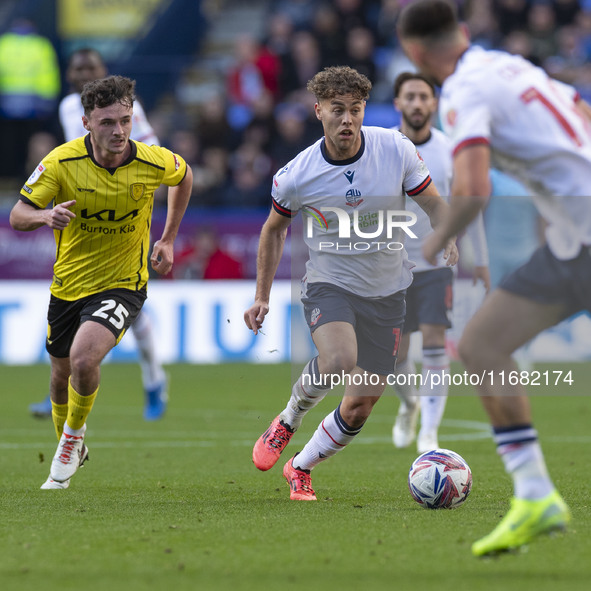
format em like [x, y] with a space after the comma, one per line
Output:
[262, 115]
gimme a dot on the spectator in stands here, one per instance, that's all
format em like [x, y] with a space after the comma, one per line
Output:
[566, 11]
[213, 128]
[40, 144]
[29, 90]
[255, 69]
[205, 259]
[386, 27]
[541, 25]
[251, 173]
[482, 24]
[520, 43]
[293, 135]
[214, 179]
[360, 50]
[326, 28]
[351, 13]
[301, 63]
[261, 129]
[279, 28]
[300, 12]
[570, 62]
[511, 14]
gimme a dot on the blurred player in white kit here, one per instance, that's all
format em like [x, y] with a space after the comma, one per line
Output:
[429, 298]
[499, 109]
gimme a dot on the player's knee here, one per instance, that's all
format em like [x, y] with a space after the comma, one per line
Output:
[82, 365]
[339, 362]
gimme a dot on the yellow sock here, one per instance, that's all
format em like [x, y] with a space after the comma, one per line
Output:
[79, 407]
[59, 413]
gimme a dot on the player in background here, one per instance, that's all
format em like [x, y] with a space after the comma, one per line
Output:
[86, 65]
[429, 297]
[353, 291]
[499, 108]
[102, 187]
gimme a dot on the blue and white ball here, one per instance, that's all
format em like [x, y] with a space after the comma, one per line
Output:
[440, 479]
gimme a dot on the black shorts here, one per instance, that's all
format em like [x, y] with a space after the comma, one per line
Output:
[429, 299]
[115, 309]
[377, 322]
[548, 280]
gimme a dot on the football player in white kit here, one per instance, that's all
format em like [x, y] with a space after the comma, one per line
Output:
[86, 65]
[429, 297]
[349, 187]
[500, 109]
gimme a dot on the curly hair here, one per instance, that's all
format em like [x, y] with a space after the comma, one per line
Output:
[106, 92]
[338, 81]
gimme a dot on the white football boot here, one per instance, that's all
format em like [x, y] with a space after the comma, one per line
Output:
[50, 483]
[68, 456]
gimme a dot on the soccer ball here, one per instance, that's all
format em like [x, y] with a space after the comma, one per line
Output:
[440, 479]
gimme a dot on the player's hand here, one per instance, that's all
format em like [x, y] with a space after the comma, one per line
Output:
[451, 254]
[255, 316]
[481, 273]
[162, 257]
[432, 246]
[60, 216]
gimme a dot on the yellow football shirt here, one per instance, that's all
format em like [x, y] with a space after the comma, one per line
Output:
[106, 245]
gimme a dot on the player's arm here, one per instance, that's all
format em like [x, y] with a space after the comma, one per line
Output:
[269, 254]
[437, 209]
[470, 192]
[25, 217]
[178, 199]
[477, 235]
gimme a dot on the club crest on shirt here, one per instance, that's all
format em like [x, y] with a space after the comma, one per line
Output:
[36, 174]
[136, 191]
[352, 196]
[451, 117]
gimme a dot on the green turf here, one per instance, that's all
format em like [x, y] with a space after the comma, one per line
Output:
[177, 504]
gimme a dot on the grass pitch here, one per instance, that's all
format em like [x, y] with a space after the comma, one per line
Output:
[178, 505]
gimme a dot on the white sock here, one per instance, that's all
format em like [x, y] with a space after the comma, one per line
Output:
[306, 393]
[434, 387]
[522, 455]
[152, 371]
[332, 435]
[74, 432]
[405, 389]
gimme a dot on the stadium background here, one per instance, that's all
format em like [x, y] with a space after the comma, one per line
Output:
[177, 504]
[223, 83]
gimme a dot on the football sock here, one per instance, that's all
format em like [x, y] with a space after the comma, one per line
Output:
[434, 387]
[79, 408]
[59, 414]
[306, 393]
[522, 455]
[152, 372]
[405, 389]
[332, 435]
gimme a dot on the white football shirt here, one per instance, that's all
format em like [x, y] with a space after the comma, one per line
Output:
[357, 243]
[71, 111]
[534, 132]
[437, 154]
